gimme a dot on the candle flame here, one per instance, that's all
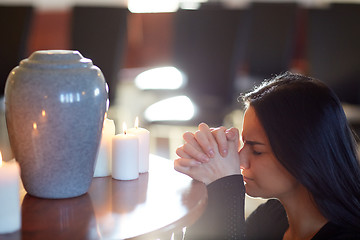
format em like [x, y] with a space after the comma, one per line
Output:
[105, 116]
[34, 126]
[124, 128]
[1, 159]
[43, 113]
[136, 122]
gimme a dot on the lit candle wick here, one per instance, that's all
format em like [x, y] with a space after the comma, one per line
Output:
[136, 122]
[124, 128]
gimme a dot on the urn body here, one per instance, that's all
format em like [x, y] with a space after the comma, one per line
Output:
[55, 102]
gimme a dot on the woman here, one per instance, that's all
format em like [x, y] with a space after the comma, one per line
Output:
[298, 151]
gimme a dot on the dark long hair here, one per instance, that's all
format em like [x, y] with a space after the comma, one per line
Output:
[310, 136]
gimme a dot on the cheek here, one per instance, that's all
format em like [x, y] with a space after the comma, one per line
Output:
[271, 180]
[277, 185]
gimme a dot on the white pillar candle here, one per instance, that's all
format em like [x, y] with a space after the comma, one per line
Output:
[103, 161]
[125, 156]
[10, 215]
[144, 145]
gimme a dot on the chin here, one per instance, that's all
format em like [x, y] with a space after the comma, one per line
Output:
[254, 193]
[249, 191]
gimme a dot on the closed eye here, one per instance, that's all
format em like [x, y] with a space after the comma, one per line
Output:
[252, 144]
[257, 153]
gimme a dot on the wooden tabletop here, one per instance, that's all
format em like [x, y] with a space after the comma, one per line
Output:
[154, 206]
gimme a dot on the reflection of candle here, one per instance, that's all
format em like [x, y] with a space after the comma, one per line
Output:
[144, 145]
[103, 162]
[10, 218]
[125, 156]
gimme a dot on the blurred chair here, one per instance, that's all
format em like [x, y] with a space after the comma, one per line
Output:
[99, 33]
[206, 50]
[268, 41]
[333, 50]
[15, 23]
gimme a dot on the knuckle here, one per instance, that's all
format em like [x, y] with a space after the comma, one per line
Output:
[188, 135]
[219, 129]
[178, 168]
[197, 134]
[179, 150]
[203, 126]
[186, 147]
[222, 128]
[176, 163]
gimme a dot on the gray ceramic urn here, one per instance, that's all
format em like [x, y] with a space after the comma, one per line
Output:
[55, 103]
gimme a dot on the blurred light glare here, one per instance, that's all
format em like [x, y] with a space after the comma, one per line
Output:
[96, 92]
[179, 108]
[191, 4]
[160, 78]
[153, 6]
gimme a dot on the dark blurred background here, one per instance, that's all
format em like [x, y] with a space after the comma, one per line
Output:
[222, 47]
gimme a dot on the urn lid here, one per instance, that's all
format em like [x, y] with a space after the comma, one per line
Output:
[56, 59]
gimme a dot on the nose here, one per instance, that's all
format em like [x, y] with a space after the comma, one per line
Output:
[244, 161]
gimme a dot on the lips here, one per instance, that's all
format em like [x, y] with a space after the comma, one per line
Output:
[247, 179]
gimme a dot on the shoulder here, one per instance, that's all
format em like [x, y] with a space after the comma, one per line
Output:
[271, 210]
[331, 231]
[268, 221]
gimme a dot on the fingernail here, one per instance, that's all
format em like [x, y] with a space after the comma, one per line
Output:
[205, 158]
[211, 153]
[224, 152]
[229, 134]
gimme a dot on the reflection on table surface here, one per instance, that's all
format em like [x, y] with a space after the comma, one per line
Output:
[157, 204]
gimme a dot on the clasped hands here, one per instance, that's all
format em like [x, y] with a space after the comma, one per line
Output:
[209, 154]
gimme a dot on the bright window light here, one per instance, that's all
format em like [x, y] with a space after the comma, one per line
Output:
[160, 78]
[179, 108]
[152, 6]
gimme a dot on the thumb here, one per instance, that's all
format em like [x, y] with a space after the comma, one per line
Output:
[232, 134]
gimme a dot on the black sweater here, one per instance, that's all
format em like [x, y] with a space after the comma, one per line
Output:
[224, 217]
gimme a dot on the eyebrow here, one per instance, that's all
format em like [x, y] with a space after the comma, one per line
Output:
[252, 143]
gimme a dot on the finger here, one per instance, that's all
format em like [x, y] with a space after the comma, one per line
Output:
[232, 134]
[179, 167]
[187, 162]
[189, 137]
[221, 139]
[184, 165]
[194, 153]
[205, 139]
[204, 143]
[193, 149]
[181, 153]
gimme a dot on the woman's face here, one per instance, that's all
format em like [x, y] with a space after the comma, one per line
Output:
[264, 176]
